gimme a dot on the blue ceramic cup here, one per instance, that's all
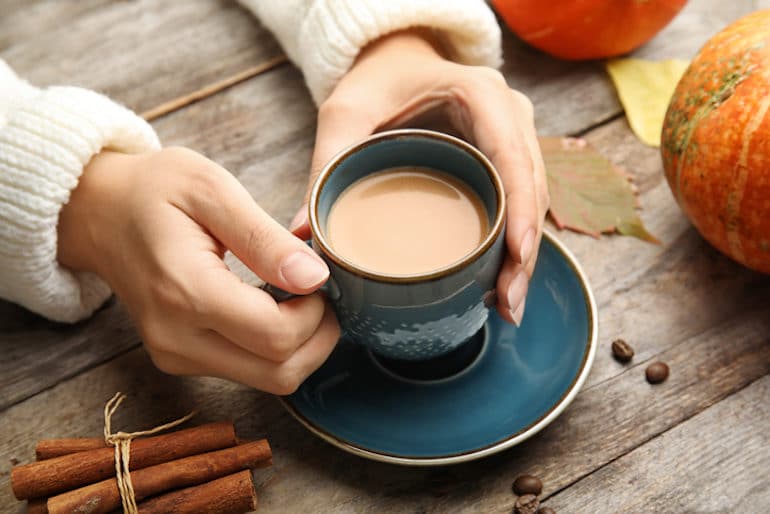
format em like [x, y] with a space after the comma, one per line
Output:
[420, 316]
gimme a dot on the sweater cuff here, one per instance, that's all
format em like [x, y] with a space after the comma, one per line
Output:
[334, 31]
[45, 144]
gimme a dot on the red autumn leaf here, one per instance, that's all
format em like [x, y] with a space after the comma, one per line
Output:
[588, 193]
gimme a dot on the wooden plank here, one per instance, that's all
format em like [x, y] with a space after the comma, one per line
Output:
[263, 132]
[37, 354]
[141, 53]
[655, 296]
[717, 461]
[24, 19]
[605, 422]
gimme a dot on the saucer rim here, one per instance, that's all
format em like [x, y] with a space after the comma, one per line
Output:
[508, 442]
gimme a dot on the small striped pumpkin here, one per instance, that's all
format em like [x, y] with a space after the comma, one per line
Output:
[716, 141]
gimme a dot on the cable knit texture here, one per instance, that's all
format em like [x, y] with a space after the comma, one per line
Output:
[46, 138]
[323, 37]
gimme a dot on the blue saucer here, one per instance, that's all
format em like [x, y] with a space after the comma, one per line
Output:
[516, 382]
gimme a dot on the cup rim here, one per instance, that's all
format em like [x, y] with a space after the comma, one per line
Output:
[481, 249]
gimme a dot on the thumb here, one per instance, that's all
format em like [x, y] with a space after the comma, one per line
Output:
[229, 212]
[299, 226]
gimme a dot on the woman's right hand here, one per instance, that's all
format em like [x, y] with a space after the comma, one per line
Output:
[156, 226]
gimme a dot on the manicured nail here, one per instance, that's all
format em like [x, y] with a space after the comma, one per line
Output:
[518, 314]
[517, 290]
[527, 245]
[299, 219]
[304, 271]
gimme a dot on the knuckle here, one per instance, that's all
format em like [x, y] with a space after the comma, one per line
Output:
[155, 339]
[176, 152]
[167, 364]
[336, 106]
[482, 79]
[161, 361]
[281, 342]
[492, 75]
[174, 295]
[545, 199]
[259, 241]
[203, 176]
[207, 181]
[287, 380]
[524, 103]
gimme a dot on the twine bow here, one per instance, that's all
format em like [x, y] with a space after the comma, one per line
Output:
[122, 443]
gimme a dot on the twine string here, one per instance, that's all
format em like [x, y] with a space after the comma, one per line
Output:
[121, 441]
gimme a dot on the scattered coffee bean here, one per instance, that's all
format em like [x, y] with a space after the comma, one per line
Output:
[622, 351]
[546, 510]
[526, 504]
[527, 484]
[656, 372]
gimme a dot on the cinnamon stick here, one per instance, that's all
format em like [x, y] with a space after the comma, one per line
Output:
[103, 497]
[52, 476]
[233, 494]
[37, 506]
[50, 448]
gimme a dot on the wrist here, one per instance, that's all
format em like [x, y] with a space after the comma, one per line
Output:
[415, 41]
[81, 238]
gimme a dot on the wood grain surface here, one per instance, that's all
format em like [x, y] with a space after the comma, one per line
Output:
[142, 53]
[623, 445]
[716, 461]
[605, 422]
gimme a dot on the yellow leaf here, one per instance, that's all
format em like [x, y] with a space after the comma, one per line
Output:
[645, 89]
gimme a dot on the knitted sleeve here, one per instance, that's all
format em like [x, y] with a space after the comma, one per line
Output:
[323, 37]
[47, 136]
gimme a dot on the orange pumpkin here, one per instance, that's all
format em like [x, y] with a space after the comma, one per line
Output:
[587, 29]
[716, 141]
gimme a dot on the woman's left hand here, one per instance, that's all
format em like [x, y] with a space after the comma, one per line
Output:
[402, 75]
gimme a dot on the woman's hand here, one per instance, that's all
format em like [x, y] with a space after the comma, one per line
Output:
[403, 75]
[155, 227]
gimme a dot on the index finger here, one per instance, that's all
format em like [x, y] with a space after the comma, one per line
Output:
[503, 127]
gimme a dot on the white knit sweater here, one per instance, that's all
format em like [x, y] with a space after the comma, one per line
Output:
[48, 135]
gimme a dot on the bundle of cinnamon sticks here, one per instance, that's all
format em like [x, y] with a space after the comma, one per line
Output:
[205, 469]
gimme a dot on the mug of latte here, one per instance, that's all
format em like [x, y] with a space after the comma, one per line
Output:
[411, 224]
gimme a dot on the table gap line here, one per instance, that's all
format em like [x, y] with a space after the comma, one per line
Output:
[208, 90]
[598, 124]
[653, 437]
[67, 378]
[639, 364]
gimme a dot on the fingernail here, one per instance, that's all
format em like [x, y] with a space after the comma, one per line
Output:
[527, 245]
[299, 219]
[518, 314]
[517, 290]
[304, 271]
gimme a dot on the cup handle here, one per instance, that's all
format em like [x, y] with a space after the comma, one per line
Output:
[329, 288]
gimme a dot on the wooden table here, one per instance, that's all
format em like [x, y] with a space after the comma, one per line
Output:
[699, 442]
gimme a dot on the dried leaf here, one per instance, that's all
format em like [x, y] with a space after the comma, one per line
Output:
[645, 89]
[588, 193]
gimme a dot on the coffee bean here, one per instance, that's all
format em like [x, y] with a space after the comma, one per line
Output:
[622, 351]
[546, 510]
[526, 504]
[527, 484]
[656, 372]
